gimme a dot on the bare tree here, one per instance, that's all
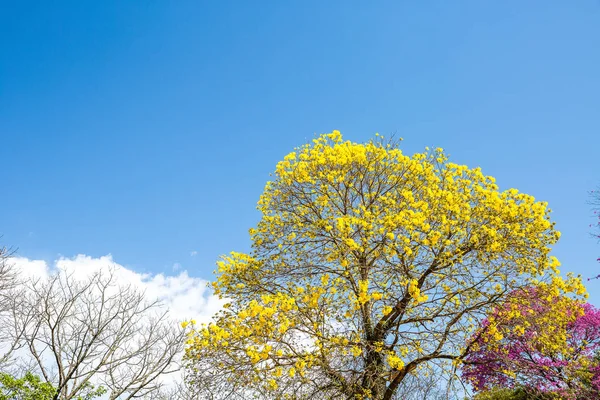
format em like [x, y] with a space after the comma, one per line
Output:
[93, 336]
[7, 276]
[595, 203]
[182, 390]
[8, 294]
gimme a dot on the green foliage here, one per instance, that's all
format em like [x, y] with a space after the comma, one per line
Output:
[90, 392]
[29, 387]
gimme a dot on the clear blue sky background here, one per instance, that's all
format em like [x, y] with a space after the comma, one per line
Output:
[148, 129]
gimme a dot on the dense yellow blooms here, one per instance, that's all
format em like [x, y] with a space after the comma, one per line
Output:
[394, 361]
[415, 292]
[557, 313]
[366, 261]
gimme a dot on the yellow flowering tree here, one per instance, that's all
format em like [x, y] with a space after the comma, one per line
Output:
[367, 265]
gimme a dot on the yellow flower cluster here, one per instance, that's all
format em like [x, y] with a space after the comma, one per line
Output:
[557, 312]
[415, 292]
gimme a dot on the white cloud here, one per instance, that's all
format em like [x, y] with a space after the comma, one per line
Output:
[30, 269]
[185, 296]
[193, 253]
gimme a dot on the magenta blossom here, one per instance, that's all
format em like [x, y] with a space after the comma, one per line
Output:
[517, 359]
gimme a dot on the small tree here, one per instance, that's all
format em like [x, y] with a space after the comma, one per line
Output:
[540, 343]
[366, 266]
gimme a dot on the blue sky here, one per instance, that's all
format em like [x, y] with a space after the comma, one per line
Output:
[148, 129]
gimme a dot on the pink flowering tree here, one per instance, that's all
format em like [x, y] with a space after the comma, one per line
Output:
[527, 345]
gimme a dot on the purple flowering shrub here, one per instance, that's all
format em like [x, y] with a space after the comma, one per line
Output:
[542, 343]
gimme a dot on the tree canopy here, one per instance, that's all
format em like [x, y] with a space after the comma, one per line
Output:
[367, 266]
